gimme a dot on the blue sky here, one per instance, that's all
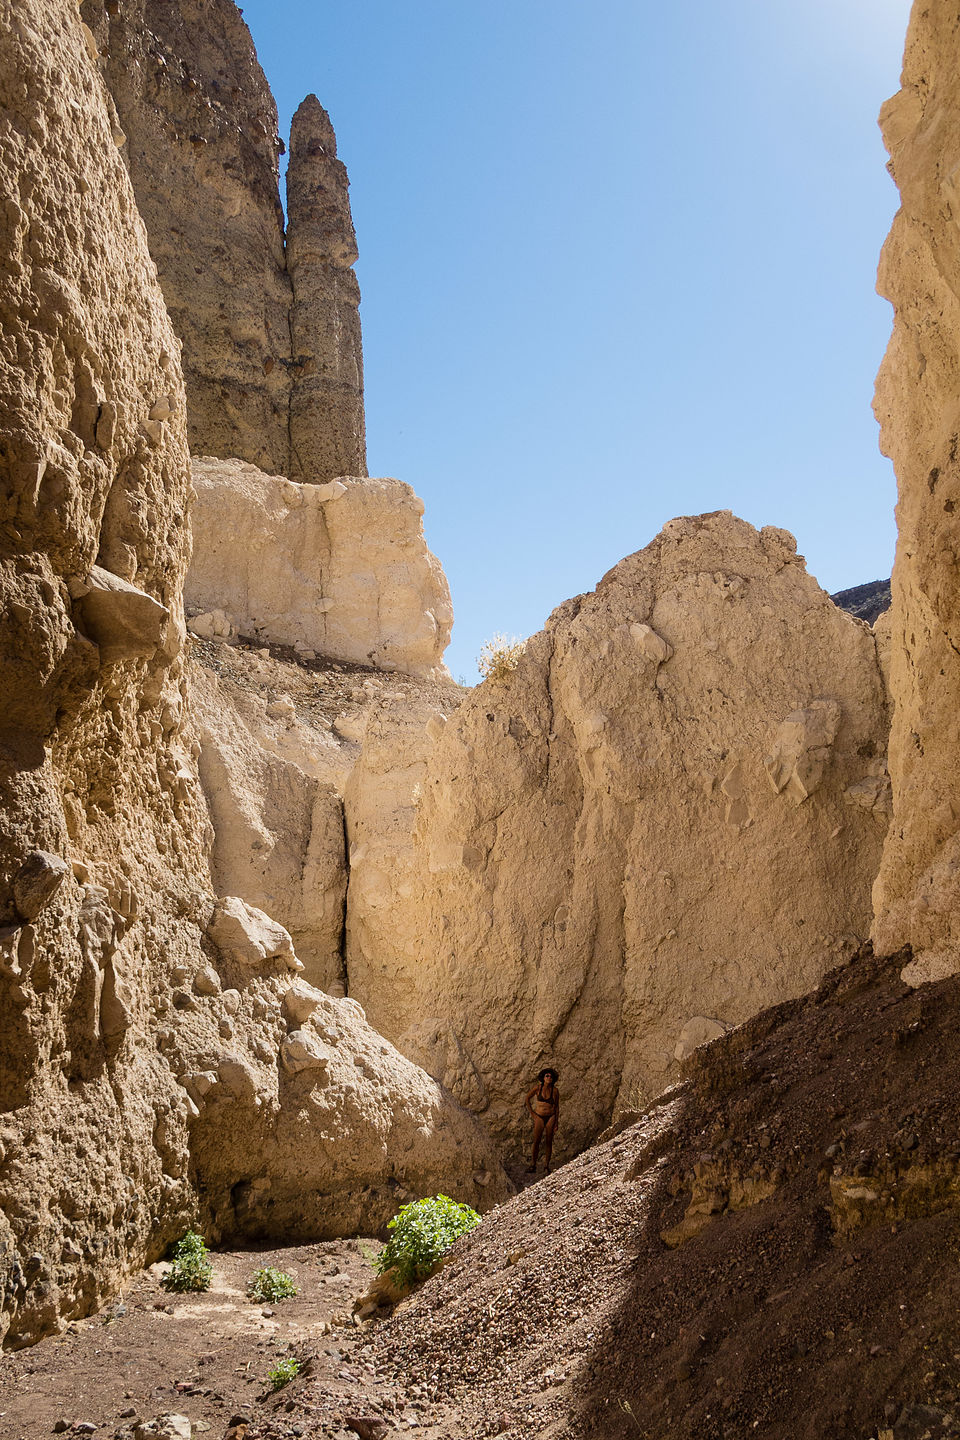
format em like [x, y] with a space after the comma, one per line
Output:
[617, 264]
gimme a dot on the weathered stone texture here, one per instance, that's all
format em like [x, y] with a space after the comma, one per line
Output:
[340, 569]
[273, 789]
[270, 329]
[202, 147]
[314, 1126]
[327, 432]
[146, 1070]
[917, 894]
[642, 834]
[95, 770]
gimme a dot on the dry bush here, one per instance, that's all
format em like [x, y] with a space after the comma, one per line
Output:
[499, 657]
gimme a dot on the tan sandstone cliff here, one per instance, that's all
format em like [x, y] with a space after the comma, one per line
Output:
[667, 817]
[340, 569]
[271, 355]
[917, 895]
[161, 1061]
[103, 820]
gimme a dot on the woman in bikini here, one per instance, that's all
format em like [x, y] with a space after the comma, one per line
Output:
[543, 1102]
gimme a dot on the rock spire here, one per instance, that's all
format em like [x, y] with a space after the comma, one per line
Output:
[269, 324]
[327, 436]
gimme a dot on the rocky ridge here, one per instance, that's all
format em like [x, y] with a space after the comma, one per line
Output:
[868, 602]
[267, 314]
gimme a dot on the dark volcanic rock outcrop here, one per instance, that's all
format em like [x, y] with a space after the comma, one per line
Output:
[867, 602]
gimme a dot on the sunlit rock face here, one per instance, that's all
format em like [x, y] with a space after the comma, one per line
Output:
[104, 886]
[340, 569]
[917, 895]
[161, 1056]
[667, 817]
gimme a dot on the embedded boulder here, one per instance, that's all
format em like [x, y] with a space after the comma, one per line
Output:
[126, 623]
[37, 881]
[250, 937]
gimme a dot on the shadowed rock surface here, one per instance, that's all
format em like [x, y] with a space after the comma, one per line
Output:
[762, 1252]
[271, 357]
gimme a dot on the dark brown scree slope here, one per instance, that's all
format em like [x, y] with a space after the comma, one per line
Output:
[771, 1250]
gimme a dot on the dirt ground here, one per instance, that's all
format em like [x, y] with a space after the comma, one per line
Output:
[203, 1355]
[207, 1356]
[771, 1250]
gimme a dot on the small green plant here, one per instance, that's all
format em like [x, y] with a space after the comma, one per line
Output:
[499, 657]
[283, 1372]
[271, 1284]
[191, 1270]
[423, 1232]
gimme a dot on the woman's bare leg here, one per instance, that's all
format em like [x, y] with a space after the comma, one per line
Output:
[548, 1140]
[538, 1126]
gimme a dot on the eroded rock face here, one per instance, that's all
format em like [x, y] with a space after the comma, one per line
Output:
[271, 351]
[339, 569]
[327, 430]
[144, 1044]
[101, 858]
[201, 147]
[917, 894]
[319, 1127]
[277, 817]
[640, 838]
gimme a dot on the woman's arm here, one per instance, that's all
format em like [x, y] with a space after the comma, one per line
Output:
[529, 1098]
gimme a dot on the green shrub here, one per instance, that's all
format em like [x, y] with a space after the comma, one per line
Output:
[270, 1284]
[499, 657]
[191, 1270]
[423, 1233]
[283, 1372]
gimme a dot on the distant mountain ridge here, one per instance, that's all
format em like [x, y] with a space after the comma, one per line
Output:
[867, 602]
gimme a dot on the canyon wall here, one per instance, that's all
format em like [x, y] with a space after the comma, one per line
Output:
[103, 821]
[668, 817]
[151, 1028]
[270, 355]
[917, 894]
